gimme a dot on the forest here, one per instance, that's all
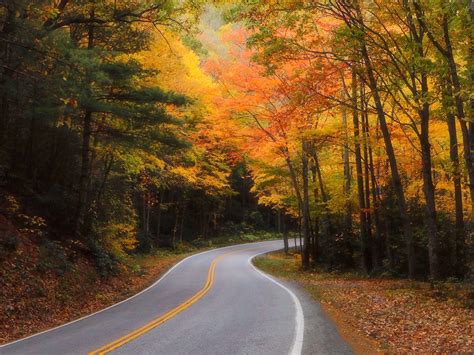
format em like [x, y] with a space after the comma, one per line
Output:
[130, 126]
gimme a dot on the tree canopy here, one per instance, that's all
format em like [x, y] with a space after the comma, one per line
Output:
[132, 125]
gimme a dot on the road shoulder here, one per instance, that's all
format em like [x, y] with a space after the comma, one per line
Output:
[382, 315]
[327, 330]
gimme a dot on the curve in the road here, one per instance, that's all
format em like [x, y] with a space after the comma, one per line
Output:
[164, 318]
[231, 308]
[299, 317]
[109, 307]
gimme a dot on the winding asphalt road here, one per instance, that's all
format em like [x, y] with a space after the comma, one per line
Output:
[214, 302]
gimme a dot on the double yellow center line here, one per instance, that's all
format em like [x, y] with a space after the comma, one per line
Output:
[158, 321]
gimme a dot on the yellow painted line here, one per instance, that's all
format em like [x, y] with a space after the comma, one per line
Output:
[167, 316]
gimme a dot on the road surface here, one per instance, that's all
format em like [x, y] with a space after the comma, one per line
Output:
[214, 302]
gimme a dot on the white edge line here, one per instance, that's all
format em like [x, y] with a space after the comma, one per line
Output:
[128, 299]
[297, 346]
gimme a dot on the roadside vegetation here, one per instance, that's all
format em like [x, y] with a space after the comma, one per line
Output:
[385, 315]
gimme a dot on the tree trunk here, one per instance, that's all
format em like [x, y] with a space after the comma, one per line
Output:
[300, 229]
[148, 209]
[366, 257]
[285, 234]
[429, 193]
[315, 243]
[278, 213]
[299, 233]
[305, 212]
[466, 129]
[144, 213]
[326, 214]
[426, 161]
[176, 221]
[294, 181]
[370, 191]
[377, 242]
[347, 177]
[158, 215]
[396, 180]
[108, 163]
[458, 254]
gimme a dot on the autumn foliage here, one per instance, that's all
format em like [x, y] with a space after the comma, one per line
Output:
[356, 119]
[127, 127]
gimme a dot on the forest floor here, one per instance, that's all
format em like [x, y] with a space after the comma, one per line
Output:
[44, 284]
[386, 315]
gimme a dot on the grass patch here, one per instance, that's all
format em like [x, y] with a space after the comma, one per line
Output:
[279, 264]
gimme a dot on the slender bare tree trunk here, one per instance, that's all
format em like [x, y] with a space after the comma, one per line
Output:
[146, 212]
[278, 214]
[176, 221]
[285, 233]
[296, 188]
[299, 232]
[396, 179]
[347, 177]
[158, 214]
[460, 245]
[305, 209]
[316, 236]
[466, 128]
[377, 242]
[364, 235]
[326, 226]
[417, 34]
[429, 193]
[446, 50]
[370, 191]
